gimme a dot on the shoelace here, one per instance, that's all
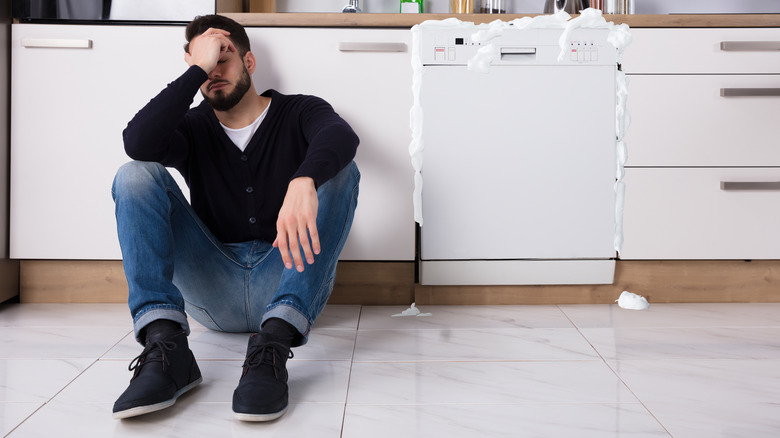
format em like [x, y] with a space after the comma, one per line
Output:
[142, 359]
[257, 356]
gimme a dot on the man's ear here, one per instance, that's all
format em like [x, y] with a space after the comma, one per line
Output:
[250, 62]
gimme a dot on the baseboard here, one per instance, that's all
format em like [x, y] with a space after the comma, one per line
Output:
[103, 281]
[672, 281]
[392, 283]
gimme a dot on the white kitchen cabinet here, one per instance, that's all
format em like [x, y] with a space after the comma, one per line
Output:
[683, 213]
[698, 51]
[682, 120]
[70, 106]
[366, 75]
[686, 138]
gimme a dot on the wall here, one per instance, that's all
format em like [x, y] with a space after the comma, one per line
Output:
[537, 6]
[706, 6]
[390, 6]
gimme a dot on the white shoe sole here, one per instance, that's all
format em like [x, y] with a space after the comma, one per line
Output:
[259, 417]
[140, 410]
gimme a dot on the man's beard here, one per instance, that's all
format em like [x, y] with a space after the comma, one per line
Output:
[225, 102]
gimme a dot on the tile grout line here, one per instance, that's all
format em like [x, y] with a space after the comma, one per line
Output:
[349, 376]
[620, 379]
[50, 399]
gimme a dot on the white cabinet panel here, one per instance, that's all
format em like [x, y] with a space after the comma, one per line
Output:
[69, 107]
[682, 120]
[686, 137]
[699, 51]
[684, 214]
[372, 90]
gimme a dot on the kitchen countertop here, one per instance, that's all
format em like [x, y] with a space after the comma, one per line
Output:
[409, 20]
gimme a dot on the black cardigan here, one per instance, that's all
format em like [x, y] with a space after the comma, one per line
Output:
[238, 194]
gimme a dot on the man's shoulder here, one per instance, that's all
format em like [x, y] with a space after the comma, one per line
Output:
[296, 102]
[273, 94]
[199, 111]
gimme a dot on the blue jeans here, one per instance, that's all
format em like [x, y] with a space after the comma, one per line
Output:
[173, 263]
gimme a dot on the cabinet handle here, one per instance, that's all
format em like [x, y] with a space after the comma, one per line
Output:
[749, 92]
[749, 185]
[749, 46]
[56, 43]
[371, 47]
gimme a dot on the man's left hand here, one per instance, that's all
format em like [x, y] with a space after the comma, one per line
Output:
[296, 222]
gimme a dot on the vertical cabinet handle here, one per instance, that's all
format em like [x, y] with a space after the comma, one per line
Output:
[749, 46]
[56, 43]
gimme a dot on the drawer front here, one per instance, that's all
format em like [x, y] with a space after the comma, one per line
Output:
[682, 120]
[684, 214]
[699, 51]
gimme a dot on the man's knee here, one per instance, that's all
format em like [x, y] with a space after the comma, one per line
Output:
[347, 180]
[137, 177]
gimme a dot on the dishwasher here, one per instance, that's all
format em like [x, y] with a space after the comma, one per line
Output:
[518, 183]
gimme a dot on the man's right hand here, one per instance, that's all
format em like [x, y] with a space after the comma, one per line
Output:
[208, 48]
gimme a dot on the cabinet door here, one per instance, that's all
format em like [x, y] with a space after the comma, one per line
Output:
[682, 120]
[698, 51]
[683, 213]
[69, 106]
[368, 82]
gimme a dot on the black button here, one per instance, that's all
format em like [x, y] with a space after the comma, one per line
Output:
[244, 158]
[250, 190]
[252, 220]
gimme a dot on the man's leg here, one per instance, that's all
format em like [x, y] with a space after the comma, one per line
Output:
[158, 229]
[297, 302]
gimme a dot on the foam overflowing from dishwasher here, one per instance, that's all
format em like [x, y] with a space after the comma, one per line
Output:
[632, 301]
[412, 311]
[619, 36]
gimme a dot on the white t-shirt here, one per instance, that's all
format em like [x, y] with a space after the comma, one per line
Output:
[241, 136]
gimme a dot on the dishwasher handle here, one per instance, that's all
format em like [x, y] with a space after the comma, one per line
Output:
[517, 53]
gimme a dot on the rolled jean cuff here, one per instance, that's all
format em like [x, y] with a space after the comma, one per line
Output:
[168, 312]
[287, 311]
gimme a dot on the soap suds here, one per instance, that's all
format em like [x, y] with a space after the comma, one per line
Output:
[412, 311]
[632, 301]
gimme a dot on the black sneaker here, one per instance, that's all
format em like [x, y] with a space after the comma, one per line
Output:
[165, 370]
[261, 394]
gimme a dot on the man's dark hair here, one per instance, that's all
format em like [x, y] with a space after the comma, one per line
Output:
[202, 23]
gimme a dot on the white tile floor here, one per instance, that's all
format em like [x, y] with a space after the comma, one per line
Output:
[681, 370]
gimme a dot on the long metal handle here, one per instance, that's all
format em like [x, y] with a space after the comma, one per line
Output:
[749, 92]
[518, 50]
[749, 46]
[517, 53]
[371, 47]
[749, 185]
[56, 43]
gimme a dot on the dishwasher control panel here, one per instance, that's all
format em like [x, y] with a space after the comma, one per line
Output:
[457, 46]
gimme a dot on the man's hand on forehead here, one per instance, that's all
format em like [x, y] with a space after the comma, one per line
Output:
[206, 49]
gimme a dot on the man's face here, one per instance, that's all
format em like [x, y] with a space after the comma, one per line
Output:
[227, 84]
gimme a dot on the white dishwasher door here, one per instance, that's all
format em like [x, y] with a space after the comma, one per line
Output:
[519, 163]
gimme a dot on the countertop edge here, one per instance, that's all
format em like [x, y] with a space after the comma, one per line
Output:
[409, 20]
